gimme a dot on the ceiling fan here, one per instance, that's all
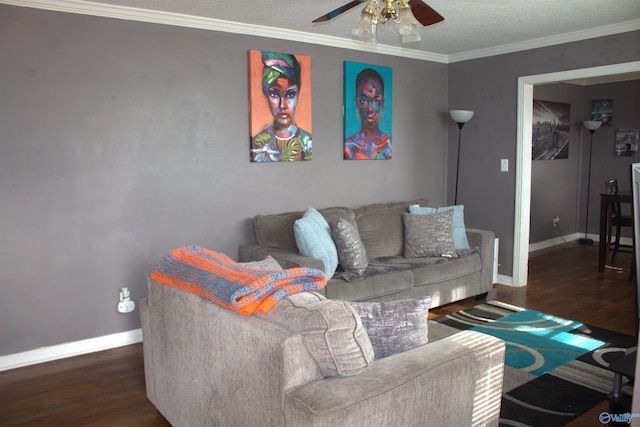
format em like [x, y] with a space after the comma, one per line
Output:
[422, 12]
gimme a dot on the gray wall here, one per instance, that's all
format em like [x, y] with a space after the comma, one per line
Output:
[489, 86]
[121, 140]
[558, 187]
[626, 114]
[554, 183]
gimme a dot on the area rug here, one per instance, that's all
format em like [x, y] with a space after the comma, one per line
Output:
[555, 368]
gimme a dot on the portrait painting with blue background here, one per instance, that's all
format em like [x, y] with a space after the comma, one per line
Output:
[352, 119]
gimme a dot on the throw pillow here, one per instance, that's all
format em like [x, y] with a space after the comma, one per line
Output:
[429, 235]
[351, 253]
[269, 263]
[313, 237]
[332, 332]
[459, 230]
[396, 326]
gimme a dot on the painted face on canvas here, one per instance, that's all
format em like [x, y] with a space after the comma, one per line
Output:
[370, 101]
[283, 100]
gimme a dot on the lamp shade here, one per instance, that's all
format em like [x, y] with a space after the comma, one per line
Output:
[461, 116]
[592, 124]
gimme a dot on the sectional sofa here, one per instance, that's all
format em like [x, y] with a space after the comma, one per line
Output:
[392, 270]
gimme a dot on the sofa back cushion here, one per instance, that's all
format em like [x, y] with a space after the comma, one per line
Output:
[381, 228]
[332, 332]
[333, 215]
[276, 231]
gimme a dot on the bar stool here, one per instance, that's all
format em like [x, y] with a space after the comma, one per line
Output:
[618, 220]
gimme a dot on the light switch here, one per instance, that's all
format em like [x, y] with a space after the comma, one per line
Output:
[504, 165]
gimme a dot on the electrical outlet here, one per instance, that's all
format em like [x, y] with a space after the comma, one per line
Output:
[556, 221]
[126, 305]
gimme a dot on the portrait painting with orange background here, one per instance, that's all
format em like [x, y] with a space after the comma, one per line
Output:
[260, 114]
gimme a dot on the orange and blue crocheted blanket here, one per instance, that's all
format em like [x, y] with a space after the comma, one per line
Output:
[217, 278]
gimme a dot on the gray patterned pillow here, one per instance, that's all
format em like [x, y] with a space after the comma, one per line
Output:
[396, 326]
[429, 235]
[351, 253]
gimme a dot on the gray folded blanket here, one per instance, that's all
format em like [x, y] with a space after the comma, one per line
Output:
[397, 263]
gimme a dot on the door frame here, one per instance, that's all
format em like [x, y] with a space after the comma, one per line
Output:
[523, 153]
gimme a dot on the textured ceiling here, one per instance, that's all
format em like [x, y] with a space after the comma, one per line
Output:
[469, 25]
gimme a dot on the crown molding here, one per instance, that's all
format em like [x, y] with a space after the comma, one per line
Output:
[211, 24]
[189, 21]
[607, 30]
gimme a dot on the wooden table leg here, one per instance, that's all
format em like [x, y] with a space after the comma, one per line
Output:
[602, 245]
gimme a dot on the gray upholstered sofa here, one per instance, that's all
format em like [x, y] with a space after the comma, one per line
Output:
[209, 366]
[391, 276]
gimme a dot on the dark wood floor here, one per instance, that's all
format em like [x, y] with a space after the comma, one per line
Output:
[107, 388]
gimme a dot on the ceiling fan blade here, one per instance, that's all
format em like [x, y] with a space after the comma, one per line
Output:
[338, 11]
[424, 14]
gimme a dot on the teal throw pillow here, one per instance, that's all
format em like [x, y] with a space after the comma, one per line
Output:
[459, 231]
[313, 237]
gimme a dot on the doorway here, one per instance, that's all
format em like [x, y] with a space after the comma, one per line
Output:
[523, 153]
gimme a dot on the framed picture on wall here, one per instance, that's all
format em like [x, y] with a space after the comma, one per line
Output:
[626, 143]
[550, 137]
[602, 111]
[280, 106]
[368, 91]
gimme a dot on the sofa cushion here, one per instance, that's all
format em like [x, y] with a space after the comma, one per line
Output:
[381, 227]
[351, 253]
[332, 215]
[429, 235]
[313, 237]
[459, 231]
[269, 263]
[381, 230]
[276, 231]
[467, 263]
[332, 332]
[371, 287]
[396, 326]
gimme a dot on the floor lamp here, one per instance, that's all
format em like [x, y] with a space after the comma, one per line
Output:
[592, 126]
[460, 117]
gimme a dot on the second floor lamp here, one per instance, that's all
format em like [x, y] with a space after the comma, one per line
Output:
[460, 117]
[592, 126]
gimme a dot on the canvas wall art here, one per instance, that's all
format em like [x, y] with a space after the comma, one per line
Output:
[368, 90]
[626, 143]
[279, 106]
[550, 137]
[602, 111]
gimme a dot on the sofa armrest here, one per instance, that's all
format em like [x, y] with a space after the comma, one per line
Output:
[287, 259]
[484, 240]
[453, 381]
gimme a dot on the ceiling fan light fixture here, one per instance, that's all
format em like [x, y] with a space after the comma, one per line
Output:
[408, 24]
[398, 11]
[365, 27]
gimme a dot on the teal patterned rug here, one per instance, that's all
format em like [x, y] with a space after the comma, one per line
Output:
[555, 368]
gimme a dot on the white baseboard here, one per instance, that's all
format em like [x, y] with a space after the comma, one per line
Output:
[570, 238]
[504, 280]
[76, 348]
[558, 241]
